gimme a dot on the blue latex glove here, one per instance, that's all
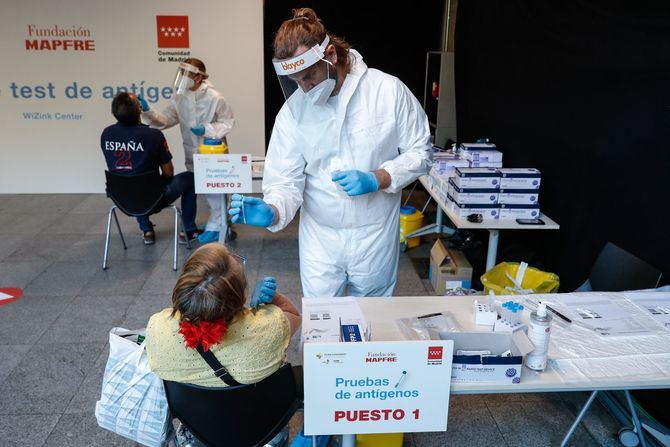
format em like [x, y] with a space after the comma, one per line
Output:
[356, 183]
[255, 212]
[264, 292]
[199, 130]
[143, 103]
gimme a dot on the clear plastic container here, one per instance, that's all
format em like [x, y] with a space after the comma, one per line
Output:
[428, 327]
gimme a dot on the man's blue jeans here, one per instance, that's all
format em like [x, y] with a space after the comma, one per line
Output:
[180, 185]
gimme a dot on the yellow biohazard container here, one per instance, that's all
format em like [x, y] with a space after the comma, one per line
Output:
[411, 220]
[498, 280]
[379, 440]
[213, 146]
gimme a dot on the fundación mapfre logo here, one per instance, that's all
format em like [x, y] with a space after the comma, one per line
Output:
[435, 355]
[381, 357]
[172, 32]
[61, 38]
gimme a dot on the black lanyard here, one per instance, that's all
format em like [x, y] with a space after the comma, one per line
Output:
[220, 371]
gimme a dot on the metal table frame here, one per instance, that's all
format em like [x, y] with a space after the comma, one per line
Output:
[493, 227]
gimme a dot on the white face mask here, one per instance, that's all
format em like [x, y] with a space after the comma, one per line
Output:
[185, 86]
[320, 93]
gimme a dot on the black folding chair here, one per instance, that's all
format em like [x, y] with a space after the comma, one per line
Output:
[617, 270]
[236, 416]
[138, 195]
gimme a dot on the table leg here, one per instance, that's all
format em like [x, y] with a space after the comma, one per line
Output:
[636, 419]
[223, 234]
[492, 251]
[579, 418]
[348, 440]
[436, 228]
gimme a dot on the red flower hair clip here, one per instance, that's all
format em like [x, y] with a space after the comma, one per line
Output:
[205, 333]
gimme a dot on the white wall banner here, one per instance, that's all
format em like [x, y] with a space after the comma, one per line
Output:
[222, 174]
[65, 60]
[377, 387]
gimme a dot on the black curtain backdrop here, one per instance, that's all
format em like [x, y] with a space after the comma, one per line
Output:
[580, 90]
[390, 37]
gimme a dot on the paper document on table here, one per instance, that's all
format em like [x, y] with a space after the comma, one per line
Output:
[622, 326]
[655, 305]
[604, 316]
[321, 318]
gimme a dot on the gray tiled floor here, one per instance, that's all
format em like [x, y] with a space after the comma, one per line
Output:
[53, 342]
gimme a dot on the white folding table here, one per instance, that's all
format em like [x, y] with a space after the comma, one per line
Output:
[493, 226]
[381, 315]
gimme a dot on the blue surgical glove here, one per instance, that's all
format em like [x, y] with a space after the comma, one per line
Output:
[143, 103]
[256, 212]
[356, 183]
[264, 292]
[199, 130]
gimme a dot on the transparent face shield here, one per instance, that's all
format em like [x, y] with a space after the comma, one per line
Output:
[183, 81]
[309, 71]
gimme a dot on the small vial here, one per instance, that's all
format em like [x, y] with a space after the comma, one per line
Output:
[510, 310]
[244, 218]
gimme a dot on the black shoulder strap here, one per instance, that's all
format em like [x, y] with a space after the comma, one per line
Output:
[220, 371]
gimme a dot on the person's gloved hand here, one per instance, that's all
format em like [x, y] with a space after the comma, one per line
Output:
[356, 183]
[255, 212]
[199, 130]
[264, 292]
[143, 103]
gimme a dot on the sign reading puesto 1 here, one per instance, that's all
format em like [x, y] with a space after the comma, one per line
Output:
[377, 387]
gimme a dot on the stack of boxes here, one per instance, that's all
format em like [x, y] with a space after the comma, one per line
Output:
[444, 167]
[481, 155]
[519, 193]
[474, 182]
[445, 164]
[474, 191]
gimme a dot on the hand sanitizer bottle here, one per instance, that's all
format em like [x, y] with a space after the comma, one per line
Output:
[538, 333]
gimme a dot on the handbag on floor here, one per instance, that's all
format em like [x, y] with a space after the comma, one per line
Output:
[132, 402]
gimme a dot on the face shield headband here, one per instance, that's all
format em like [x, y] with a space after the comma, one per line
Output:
[296, 64]
[183, 80]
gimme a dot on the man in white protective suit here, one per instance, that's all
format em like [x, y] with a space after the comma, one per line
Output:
[345, 143]
[201, 112]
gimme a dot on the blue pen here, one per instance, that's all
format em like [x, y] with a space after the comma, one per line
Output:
[400, 380]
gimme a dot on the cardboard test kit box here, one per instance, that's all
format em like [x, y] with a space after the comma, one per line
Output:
[448, 269]
[491, 367]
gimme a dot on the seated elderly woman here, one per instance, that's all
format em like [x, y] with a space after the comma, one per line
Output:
[208, 310]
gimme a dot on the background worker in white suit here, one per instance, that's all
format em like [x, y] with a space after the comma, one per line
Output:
[201, 112]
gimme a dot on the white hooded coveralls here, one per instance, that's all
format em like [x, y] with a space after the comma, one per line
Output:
[203, 106]
[373, 123]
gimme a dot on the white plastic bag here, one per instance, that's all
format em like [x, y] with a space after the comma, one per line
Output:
[132, 403]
